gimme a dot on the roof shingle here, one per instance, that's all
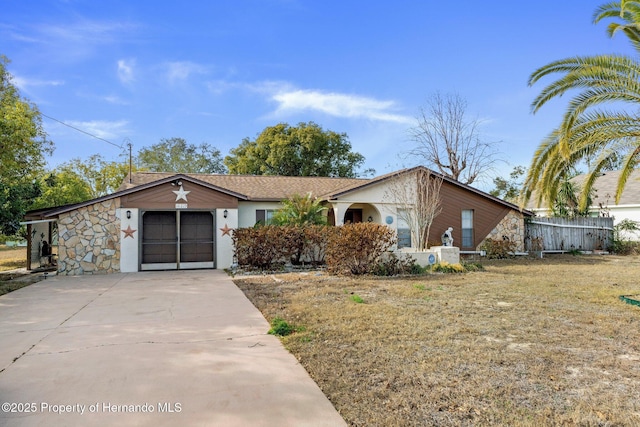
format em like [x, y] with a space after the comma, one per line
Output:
[258, 187]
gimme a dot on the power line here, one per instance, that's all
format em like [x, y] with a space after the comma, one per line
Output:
[80, 130]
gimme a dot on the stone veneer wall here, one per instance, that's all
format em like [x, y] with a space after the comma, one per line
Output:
[512, 226]
[89, 240]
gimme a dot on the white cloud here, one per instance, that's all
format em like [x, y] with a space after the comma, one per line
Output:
[125, 70]
[114, 99]
[291, 100]
[182, 70]
[339, 105]
[72, 40]
[84, 31]
[102, 128]
[24, 83]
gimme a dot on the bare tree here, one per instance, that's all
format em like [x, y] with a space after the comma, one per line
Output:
[447, 140]
[416, 194]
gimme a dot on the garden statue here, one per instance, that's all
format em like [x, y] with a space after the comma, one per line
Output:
[447, 237]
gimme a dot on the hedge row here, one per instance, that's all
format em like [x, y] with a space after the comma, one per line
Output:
[351, 249]
[270, 245]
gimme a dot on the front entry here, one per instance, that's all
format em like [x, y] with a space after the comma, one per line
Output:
[353, 216]
[177, 240]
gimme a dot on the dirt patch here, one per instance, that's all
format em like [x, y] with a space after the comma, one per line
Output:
[527, 342]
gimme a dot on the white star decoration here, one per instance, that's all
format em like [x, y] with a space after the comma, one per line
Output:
[181, 194]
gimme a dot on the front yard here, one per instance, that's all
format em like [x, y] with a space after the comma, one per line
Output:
[12, 258]
[527, 342]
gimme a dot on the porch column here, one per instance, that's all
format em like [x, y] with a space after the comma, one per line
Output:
[339, 210]
[226, 222]
[129, 238]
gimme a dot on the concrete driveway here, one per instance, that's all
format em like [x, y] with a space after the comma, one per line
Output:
[183, 348]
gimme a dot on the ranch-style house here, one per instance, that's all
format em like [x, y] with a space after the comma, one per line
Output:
[161, 221]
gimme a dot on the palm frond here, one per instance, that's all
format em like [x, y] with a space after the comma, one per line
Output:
[628, 167]
[626, 10]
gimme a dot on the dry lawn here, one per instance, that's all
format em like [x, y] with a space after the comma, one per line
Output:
[12, 258]
[527, 342]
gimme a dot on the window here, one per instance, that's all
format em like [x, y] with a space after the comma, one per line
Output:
[467, 228]
[404, 231]
[264, 216]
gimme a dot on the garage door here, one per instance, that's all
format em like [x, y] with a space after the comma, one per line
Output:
[177, 240]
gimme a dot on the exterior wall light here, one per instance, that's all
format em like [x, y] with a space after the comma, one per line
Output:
[225, 213]
[128, 214]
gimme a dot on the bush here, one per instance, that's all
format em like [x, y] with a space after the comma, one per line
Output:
[622, 243]
[280, 327]
[473, 266]
[266, 246]
[351, 249]
[499, 249]
[392, 265]
[445, 267]
[269, 246]
[625, 247]
[316, 238]
[357, 248]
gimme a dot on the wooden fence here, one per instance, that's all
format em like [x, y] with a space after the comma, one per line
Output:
[560, 234]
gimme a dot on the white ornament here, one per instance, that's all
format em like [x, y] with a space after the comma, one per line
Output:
[181, 194]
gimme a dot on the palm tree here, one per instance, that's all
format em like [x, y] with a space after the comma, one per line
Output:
[588, 131]
[300, 210]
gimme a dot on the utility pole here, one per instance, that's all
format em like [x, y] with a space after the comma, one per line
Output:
[129, 144]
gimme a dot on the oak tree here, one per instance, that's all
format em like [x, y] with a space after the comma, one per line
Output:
[176, 155]
[303, 150]
[23, 146]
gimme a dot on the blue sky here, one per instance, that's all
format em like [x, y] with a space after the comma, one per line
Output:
[220, 71]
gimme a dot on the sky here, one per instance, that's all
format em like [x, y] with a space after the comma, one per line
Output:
[219, 71]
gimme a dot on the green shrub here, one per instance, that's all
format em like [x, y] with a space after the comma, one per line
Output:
[280, 327]
[625, 247]
[472, 266]
[300, 210]
[622, 244]
[357, 248]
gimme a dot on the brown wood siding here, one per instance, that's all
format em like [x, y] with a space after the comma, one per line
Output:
[486, 215]
[162, 197]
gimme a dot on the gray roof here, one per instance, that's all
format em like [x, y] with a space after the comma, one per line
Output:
[257, 187]
[606, 185]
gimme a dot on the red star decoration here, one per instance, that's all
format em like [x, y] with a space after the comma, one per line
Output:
[226, 230]
[128, 232]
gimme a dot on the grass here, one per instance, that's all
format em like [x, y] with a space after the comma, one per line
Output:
[12, 258]
[357, 299]
[527, 342]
